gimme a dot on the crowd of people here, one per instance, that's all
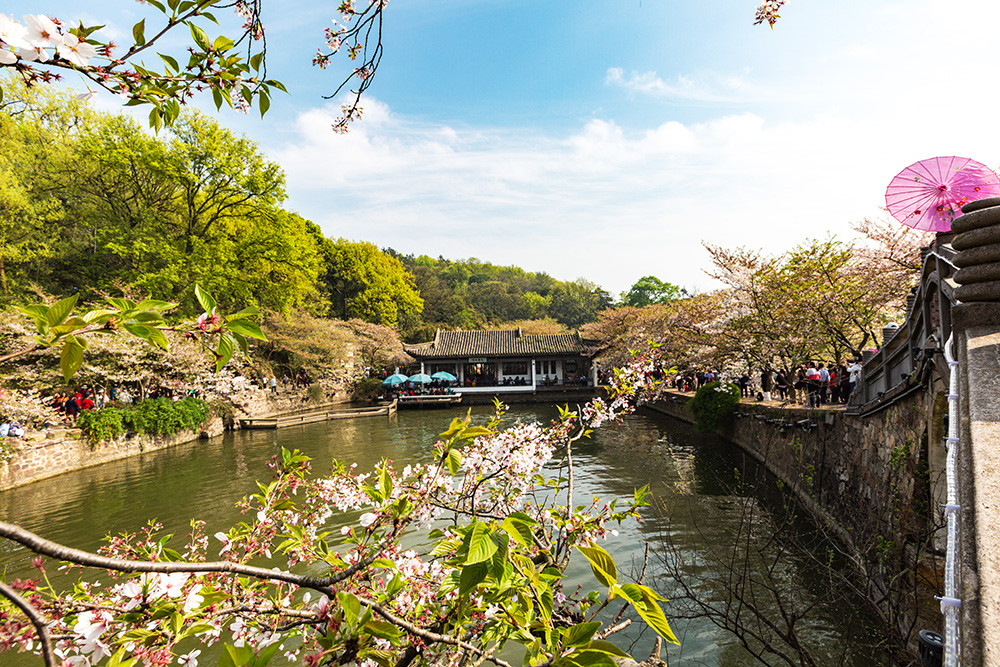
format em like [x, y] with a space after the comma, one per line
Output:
[812, 384]
[434, 388]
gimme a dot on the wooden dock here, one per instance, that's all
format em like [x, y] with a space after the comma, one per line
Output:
[309, 417]
[429, 401]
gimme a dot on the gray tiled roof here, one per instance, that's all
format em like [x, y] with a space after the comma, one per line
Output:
[511, 343]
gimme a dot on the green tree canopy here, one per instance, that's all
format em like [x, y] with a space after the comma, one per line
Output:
[368, 284]
[649, 290]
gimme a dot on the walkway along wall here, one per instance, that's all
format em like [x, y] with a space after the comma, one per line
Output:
[868, 480]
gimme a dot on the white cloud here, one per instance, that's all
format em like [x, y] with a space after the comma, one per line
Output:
[717, 88]
[601, 202]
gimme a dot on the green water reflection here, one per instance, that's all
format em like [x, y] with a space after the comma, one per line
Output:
[691, 476]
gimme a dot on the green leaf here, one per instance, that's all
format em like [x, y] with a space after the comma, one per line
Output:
[147, 317]
[224, 352]
[545, 601]
[250, 311]
[586, 658]
[222, 43]
[158, 339]
[71, 358]
[242, 341]
[519, 531]
[119, 659]
[123, 305]
[99, 316]
[447, 546]
[255, 61]
[456, 427]
[607, 647]
[246, 328]
[382, 629]
[276, 84]
[36, 310]
[644, 600]
[454, 461]
[263, 102]
[473, 432]
[481, 545]
[235, 656]
[155, 119]
[382, 657]
[472, 575]
[601, 563]
[580, 634]
[385, 483]
[351, 606]
[204, 298]
[138, 330]
[138, 33]
[69, 325]
[156, 305]
[60, 310]
[177, 620]
[265, 656]
[199, 36]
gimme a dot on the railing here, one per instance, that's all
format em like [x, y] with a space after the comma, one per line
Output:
[892, 371]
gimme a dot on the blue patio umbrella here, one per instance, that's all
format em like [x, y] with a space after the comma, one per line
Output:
[398, 378]
[444, 375]
[421, 378]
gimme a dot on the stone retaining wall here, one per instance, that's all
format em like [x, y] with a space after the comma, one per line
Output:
[35, 460]
[65, 451]
[868, 479]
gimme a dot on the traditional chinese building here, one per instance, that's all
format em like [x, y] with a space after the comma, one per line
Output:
[508, 360]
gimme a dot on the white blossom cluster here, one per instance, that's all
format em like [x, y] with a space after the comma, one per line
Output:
[38, 39]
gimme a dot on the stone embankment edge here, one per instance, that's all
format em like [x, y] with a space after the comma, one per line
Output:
[676, 406]
[38, 460]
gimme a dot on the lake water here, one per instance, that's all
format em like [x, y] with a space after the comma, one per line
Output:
[705, 493]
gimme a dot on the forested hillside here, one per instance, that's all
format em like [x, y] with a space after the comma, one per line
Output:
[95, 204]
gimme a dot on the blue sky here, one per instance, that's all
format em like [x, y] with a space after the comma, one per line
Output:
[609, 140]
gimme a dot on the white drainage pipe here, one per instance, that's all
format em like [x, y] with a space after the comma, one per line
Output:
[950, 604]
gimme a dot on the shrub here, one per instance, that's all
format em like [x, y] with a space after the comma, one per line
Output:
[714, 404]
[158, 416]
[102, 425]
[367, 389]
[315, 392]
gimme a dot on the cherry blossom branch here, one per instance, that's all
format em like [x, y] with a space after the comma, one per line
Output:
[46, 547]
[428, 635]
[36, 620]
[21, 353]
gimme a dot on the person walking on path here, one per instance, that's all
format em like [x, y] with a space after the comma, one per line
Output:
[855, 374]
[766, 383]
[274, 384]
[781, 384]
[824, 383]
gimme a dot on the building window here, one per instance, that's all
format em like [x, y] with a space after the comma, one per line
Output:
[515, 368]
[571, 365]
[546, 367]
